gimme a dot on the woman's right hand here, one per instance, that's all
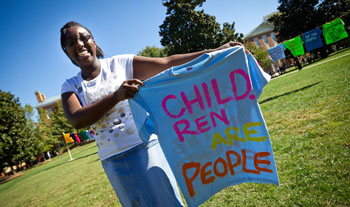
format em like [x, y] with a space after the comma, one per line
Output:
[128, 89]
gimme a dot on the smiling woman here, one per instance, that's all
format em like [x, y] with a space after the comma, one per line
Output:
[74, 37]
[97, 97]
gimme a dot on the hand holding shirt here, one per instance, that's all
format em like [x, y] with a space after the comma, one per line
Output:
[209, 123]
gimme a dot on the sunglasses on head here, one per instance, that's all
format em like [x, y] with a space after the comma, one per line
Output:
[72, 41]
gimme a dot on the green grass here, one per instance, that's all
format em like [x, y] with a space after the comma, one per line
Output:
[60, 182]
[308, 116]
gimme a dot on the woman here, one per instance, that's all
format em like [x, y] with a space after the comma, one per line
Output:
[97, 97]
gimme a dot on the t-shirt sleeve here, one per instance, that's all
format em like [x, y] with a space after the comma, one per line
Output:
[66, 87]
[126, 62]
[259, 78]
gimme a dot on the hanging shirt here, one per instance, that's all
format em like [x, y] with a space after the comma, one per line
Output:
[75, 137]
[91, 134]
[209, 123]
[295, 46]
[276, 53]
[68, 138]
[84, 135]
[312, 39]
[334, 31]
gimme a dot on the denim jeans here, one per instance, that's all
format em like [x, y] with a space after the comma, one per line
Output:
[142, 176]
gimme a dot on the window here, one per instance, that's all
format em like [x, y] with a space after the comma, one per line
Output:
[266, 42]
[49, 111]
[273, 37]
[256, 40]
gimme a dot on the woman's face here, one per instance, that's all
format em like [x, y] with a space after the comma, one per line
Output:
[80, 46]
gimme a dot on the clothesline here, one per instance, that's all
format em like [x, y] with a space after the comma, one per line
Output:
[319, 26]
[332, 32]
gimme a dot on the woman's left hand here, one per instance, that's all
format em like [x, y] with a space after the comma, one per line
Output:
[232, 44]
[128, 89]
[229, 44]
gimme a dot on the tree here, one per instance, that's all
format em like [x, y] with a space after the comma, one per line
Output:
[51, 126]
[33, 145]
[329, 10]
[228, 33]
[260, 55]
[15, 136]
[59, 123]
[44, 130]
[152, 52]
[296, 17]
[187, 30]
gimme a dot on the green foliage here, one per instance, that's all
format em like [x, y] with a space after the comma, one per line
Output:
[152, 52]
[52, 126]
[187, 30]
[16, 137]
[299, 16]
[20, 138]
[34, 145]
[59, 122]
[44, 131]
[329, 10]
[228, 33]
[260, 55]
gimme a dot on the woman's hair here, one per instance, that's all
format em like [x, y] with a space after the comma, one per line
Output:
[99, 52]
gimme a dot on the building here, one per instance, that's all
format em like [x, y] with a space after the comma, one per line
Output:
[47, 104]
[264, 36]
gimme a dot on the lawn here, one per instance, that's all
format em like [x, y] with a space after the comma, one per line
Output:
[308, 116]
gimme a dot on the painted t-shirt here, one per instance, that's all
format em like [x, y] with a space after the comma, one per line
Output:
[312, 39]
[334, 31]
[75, 137]
[84, 135]
[68, 138]
[295, 46]
[276, 53]
[116, 131]
[209, 123]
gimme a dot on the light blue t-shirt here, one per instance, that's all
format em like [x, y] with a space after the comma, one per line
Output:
[312, 39]
[276, 53]
[209, 123]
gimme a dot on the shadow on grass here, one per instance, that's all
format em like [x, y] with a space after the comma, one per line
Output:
[65, 161]
[288, 93]
[10, 177]
[85, 156]
[98, 159]
[92, 146]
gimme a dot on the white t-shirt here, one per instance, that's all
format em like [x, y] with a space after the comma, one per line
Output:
[115, 132]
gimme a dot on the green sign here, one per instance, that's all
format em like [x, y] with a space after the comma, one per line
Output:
[295, 46]
[334, 31]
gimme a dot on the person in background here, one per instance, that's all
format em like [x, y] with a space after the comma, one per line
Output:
[48, 155]
[97, 97]
[297, 63]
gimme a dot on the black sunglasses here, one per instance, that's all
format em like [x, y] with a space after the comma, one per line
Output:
[72, 41]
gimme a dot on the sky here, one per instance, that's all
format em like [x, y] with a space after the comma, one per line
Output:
[31, 55]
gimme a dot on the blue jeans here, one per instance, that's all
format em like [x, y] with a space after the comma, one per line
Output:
[142, 176]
